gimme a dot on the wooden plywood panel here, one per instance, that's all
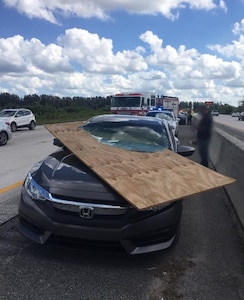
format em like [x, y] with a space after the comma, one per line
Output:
[143, 179]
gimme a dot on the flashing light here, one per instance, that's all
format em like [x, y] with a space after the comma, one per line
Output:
[135, 94]
[159, 108]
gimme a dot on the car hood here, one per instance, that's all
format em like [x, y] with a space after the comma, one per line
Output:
[4, 119]
[64, 176]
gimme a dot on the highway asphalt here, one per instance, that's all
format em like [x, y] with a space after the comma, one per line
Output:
[206, 264]
[230, 121]
[24, 149]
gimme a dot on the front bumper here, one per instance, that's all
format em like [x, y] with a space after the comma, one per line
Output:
[152, 232]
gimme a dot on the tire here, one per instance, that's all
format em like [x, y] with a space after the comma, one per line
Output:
[32, 125]
[3, 138]
[13, 127]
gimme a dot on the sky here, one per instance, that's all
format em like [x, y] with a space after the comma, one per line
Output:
[192, 49]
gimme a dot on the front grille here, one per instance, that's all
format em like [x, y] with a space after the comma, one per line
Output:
[73, 207]
[96, 216]
[105, 216]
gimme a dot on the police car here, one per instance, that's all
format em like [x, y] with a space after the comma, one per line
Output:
[167, 115]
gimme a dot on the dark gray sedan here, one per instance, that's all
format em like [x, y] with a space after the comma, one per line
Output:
[63, 199]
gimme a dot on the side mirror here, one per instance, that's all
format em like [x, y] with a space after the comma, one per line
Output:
[56, 142]
[186, 150]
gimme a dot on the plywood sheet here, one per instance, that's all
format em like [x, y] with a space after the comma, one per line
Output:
[143, 179]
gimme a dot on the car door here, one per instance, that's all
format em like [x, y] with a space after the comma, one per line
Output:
[27, 117]
[19, 118]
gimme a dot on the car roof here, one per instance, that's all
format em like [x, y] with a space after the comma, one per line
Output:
[15, 109]
[10, 109]
[143, 120]
[161, 111]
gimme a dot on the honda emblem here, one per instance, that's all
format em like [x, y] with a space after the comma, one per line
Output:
[86, 212]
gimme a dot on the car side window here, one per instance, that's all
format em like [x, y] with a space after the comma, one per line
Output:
[26, 112]
[20, 113]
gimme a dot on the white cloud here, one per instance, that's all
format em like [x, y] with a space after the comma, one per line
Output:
[83, 63]
[49, 10]
[18, 55]
[152, 40]
[223, 5]
[235, 50]
[11, 59]
[95, 54]
[215, 68]
[238, 28]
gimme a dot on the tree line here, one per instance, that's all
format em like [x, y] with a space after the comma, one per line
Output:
[52, 108]
[48, 108]
[222, 108]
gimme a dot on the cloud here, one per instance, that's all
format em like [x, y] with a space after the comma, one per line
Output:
[84, 63]
[238, 28]
[19, 55]
[49, 10]
[223, 5]
[95, 54]
[11, 59]
[168, 57]
[216, 68]
[234, 50]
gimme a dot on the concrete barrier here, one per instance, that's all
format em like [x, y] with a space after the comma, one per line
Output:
[227, 155]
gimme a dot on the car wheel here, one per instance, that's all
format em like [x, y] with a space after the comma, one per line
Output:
[3, 138]
[32, 125]
[13, 127]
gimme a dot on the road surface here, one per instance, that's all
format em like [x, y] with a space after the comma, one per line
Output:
[230, 121]
[25, 149]
[207, 263]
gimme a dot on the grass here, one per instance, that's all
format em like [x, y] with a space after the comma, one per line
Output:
[53, 117]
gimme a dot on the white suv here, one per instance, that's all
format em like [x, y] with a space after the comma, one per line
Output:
[215, 113]
[17, 118]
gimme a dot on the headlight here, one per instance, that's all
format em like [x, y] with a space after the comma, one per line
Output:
[36, 167]
[34, 190]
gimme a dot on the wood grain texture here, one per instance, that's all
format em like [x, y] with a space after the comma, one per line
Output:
[143, 179]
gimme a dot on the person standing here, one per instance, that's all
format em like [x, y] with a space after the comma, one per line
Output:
[204, 132]
[189, 117]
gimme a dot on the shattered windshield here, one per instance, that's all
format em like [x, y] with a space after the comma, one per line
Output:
[130, 136]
